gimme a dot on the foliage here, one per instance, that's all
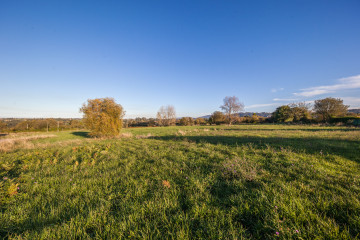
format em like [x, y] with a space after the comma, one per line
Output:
[103, 116]
[186, 121]
[3, 126]
[166, 116]
[140, 122]
[295, 112]
[200, 121]
[231, 105]
[49, 124]
[217, 118]
[283, 114]
[351, 120]
[300, 112]
[329, 107]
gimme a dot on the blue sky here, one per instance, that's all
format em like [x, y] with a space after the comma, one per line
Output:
[54, 55]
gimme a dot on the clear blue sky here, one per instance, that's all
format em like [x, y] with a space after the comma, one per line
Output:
[54, 55]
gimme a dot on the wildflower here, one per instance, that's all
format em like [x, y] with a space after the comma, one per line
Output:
[5, 178]
[297, 231]
[18, 188]
[35, 182]
[277, 233]
[70, 180]
[276, 207]
[32, 178]
[186, 177]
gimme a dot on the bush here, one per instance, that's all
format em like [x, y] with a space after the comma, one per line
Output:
[186, 121]
[103, 116]
[351, 120]
[217, 118]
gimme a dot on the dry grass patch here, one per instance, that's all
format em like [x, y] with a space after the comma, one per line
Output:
[126, 135]
[20, 141]
[182, 133]
[149, 135]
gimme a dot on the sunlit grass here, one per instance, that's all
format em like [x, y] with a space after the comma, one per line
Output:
[209, 182]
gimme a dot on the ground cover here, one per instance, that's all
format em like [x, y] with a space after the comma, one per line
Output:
[209, 182]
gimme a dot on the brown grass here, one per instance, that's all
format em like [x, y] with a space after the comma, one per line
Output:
[182, 133]
[144, 136]
[126, 135]
[26, 142]
[20, 141]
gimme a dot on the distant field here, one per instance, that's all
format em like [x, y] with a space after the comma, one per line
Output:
[210, 182]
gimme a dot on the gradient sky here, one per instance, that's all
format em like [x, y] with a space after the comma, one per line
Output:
[54, 55]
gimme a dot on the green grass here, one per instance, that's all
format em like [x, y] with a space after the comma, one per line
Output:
[218, 182]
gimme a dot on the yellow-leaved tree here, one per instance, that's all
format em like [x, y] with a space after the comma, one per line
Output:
[103, 117]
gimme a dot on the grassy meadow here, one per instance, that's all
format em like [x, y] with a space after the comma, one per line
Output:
[208, 182]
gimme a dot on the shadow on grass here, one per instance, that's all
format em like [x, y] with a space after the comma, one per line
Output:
[3, 134]
[293, 129]
[81, 134]
[346, 148]
[38, 225]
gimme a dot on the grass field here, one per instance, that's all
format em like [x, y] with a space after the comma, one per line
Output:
[211, 182]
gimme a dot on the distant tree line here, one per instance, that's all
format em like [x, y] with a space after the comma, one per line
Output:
[327, 110]
[104, 117]
[43, 124]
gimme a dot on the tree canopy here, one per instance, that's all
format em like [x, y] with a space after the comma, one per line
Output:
[103, 116]
[329, 107]
[217, 117]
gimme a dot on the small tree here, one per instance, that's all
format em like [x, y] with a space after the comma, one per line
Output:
[283, 114]
[166, 116]
[103, 116]
[200, 121]
[186, 121]
[231, 105]
[300, 112]
[329, 107]
[217, 118]
[254, 118]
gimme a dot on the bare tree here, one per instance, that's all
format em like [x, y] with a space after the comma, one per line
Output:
[231, 105]
[161, 115]
[166, 116]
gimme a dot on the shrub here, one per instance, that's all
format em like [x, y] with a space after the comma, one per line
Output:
[200, 121]
[186, 121]
[103, 117]
[217, 118]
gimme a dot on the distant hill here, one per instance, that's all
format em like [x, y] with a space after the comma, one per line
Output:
[356, 111]
[243, 114]
[260, 114]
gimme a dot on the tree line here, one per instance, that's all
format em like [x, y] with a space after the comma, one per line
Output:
[104, 117]
[46, 124]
